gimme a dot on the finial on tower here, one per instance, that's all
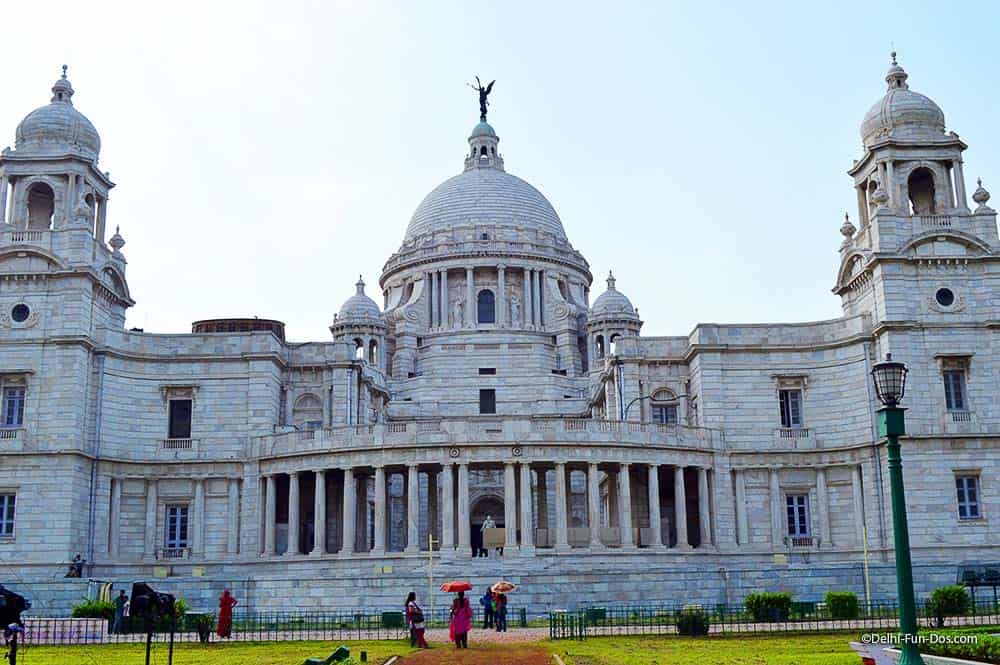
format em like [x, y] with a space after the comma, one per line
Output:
[611, 281]
[896, 76]
[847, 229]
[360, 286]
[483, 94]
[65, 67]
[62, 91]
[893, 55]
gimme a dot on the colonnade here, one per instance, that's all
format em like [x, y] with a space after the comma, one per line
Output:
[526, 313]
[525, 512]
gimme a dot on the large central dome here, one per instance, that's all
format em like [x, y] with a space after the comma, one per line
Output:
[484, 197]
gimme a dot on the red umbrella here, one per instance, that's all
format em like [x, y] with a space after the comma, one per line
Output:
[503, 587]
[455, 587]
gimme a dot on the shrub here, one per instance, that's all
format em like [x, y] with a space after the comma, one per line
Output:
[692, 620]
[180, 608]
[94, 609]
[769, 605]
[842, 605]
[985, 648]
[952, 600]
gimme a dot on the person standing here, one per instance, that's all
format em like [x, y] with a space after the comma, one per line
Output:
[415, 619]
[120, 602]
[487, 602]
[461, 621]
[226, 605]
[501, 613]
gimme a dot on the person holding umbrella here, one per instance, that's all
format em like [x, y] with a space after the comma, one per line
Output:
[461, 613]
[500, 591]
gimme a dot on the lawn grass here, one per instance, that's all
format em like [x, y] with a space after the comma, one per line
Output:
[227, 653]
[814, 649]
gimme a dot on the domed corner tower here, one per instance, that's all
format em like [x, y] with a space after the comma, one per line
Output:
[360, 325]
[485, 269]
[53, 206]
[918, 253]
[611, 317]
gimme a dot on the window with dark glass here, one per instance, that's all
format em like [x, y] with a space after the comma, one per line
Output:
[13, 407]
[797, 509]
[954, 389]
[968, 497]
[665, 414]
[487, 400]
[180, 419]
[790, 403]
[176, 527]
[7, 502]
[486, 306]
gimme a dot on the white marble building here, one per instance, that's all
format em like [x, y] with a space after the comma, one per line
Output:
[638, 468]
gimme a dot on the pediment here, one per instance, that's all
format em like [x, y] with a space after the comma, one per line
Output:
[950, 243]
[28, 260]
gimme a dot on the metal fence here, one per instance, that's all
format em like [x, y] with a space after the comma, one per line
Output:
[735, 619]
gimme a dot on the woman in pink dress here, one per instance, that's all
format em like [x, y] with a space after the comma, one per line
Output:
[461, 621]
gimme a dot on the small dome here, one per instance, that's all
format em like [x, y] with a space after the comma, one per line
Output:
[58, 129]
[359, 305]
[612, 302]
[902, 113]
[482, 129]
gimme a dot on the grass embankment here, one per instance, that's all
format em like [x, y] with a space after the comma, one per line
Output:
[228, 653]
[813, 649]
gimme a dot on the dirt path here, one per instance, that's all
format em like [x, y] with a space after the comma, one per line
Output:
[480, 654]
[479, 636]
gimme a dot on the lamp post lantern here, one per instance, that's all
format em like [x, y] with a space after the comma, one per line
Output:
[890, 385]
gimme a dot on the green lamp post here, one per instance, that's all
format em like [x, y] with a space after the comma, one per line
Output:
[890, 383]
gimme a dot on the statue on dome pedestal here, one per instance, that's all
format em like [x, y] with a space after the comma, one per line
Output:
[457, 310]
[483, 94]
[515, 312]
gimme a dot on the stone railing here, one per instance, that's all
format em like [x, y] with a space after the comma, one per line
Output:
[8, 434]
[463, 432]
[491, 247]
[795, 437]
[177, 444]
[936, 221]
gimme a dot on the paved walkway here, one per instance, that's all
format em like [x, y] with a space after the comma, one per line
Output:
[513, 635]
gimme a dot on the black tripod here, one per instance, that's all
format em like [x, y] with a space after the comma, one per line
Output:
[149, 639]
[12, 632]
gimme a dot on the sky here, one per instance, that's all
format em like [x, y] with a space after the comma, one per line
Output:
[266, 154]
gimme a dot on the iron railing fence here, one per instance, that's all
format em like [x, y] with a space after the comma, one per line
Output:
[735, 619]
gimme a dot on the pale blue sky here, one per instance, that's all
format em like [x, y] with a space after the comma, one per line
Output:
[267, 153]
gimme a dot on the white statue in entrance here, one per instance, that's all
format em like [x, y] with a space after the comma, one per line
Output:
[515, 312]
[457, 310]
[488, 523]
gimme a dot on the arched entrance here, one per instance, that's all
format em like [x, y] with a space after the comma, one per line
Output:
[489, 505]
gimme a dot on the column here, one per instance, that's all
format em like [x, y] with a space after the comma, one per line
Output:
[862, 206]
[70, 200]
[116, 499]
[537, 299]
[293, 513]
[435, 300]
[562, 528]
[350, 512]
[470, 299]
[151, 511]
[413, 509]
[594, 507]
[961, 203]
[742, 526]
[890, 185]
[198, 532]
[704, 509]
[654, 507]
[526, 305]
[448, 509]
[527, 529]
[3, 199]
[319, 513]
[543, 498]
[823, 508]
[777, 534]
[625, 506]
[379, 548]
[509, 508]
[882, 181]
[444, 306]
[432, 506]
[233, 543]
[102, 212]
[535, 305]
[464, 543]
[859, 504]
[680, 508]
[501, 296]
[270, 516]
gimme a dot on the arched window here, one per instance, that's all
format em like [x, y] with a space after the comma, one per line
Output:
[486, 307]
[482, 152]
[373, 352]
[614, 343]
[307, 412]
[41, 206]
[599, 346]
[359, 349]
[921, 189]
[664, 407]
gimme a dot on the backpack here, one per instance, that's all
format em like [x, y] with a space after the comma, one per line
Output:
[416, 614]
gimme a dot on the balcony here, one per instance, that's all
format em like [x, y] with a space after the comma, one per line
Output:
[173, 553]
[802, 438]
[959, 422]
[177, 444]
[9, 434]
[801, 542]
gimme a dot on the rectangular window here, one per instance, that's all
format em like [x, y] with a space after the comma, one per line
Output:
[177, 527]
[7, 502]
[968, 497]
[180, 419]
[665, 414]
[13, 407]
[790, 402]
[487, 370]
[954, 390]
[797, 507]
[487, 401]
